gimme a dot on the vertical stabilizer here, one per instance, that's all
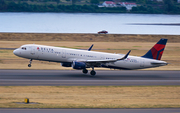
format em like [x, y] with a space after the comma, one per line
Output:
[157, 50]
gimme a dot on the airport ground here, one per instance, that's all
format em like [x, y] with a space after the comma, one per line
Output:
[88, 96]
[77, 78]
[73, 89]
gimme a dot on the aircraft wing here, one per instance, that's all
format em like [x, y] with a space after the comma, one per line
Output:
[106, 61]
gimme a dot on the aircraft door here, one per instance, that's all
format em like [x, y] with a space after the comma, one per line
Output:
[32, 50]
[141, 63]
[63, 53]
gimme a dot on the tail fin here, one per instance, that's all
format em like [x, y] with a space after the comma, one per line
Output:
[157, 50]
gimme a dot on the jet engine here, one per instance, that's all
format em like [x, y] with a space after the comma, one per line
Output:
[79, 65]
[66, 64]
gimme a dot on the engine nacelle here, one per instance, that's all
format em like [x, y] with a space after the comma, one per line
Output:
[79, 65]
[66, 64]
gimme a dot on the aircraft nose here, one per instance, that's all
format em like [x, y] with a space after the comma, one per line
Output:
[15, 52]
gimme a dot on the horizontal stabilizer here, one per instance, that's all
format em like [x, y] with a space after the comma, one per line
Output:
[159, 63]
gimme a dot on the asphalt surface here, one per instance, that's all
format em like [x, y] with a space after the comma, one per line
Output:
[176, 110]
[77, 78]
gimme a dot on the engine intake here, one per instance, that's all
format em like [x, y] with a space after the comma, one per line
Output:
[79, 65]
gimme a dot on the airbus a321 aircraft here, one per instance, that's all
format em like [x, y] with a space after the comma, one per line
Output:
[83, 59]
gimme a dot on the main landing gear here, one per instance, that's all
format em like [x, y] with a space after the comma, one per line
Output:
[93, 73]
[29, 65]
[85, 71]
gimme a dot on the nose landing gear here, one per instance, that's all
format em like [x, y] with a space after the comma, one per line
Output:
[29, 65]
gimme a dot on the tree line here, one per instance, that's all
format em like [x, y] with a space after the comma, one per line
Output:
[150, 7]
[25, 7]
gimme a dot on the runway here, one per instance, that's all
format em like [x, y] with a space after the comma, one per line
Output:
[77, 78]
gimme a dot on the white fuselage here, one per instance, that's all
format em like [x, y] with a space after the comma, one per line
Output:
[61, 55]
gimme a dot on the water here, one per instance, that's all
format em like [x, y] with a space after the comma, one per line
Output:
[89, 23]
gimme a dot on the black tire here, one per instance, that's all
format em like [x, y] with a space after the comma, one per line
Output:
[85, 71]
[93, 73]
[29, 65]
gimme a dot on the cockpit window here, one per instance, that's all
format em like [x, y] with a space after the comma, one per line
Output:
[23, 48]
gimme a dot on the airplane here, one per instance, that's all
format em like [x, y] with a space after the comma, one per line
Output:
[83, 59]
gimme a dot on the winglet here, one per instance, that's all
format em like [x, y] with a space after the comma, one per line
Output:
[90, 47]
[125, 56]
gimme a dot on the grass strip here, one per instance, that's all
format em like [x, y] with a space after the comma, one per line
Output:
[90, 96]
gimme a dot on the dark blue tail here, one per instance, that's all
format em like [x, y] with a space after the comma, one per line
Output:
[157, 50]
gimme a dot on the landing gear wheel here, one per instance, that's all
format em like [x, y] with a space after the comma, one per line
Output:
[85, 71]
[93, 73]
[29, 65]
